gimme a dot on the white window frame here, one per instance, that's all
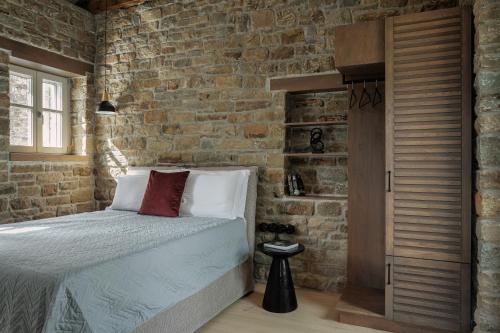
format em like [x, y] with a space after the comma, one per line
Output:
[37, 109]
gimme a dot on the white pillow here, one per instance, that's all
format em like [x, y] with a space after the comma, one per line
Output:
[225, 199]
[215, 194]
[129, 192]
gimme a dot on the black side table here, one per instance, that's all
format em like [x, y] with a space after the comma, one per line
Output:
[280, 293]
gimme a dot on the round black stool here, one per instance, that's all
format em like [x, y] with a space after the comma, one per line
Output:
[280, 293]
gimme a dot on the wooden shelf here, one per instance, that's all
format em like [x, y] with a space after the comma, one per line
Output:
[316, 123]
[309, 83]
[317, 197]
[315, 155]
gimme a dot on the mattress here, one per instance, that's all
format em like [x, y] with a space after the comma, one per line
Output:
[109, 271]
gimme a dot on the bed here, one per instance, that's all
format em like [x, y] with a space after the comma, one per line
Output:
[117, 271]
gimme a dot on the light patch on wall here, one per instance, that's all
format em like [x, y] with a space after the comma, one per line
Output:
[115, 160]
[83, 143]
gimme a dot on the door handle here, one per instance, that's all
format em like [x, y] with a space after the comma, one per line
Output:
[388, 274]
[389, 189]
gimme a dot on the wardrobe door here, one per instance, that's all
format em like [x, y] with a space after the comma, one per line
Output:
[428, 126]
[431, 293]
[428, 165]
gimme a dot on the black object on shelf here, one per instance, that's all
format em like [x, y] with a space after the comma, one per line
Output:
[296, 185]
[317, 146]
[280, 292]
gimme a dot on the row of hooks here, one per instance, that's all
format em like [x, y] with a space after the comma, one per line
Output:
[365, 98]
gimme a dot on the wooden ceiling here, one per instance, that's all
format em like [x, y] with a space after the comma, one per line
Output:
[96, 6]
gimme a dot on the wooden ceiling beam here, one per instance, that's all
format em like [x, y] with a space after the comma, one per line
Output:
[96, 6]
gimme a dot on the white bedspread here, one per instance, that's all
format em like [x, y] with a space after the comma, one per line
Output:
[109, 271]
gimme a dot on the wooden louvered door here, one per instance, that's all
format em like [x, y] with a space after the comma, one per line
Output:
[428, 161]
[431, 293]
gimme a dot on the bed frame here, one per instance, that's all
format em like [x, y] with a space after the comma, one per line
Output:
[196, 310]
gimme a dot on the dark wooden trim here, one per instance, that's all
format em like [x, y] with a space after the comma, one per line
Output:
[467, 124]
[48, 157]
[389, 118]
[466, 133]
[310, 83]
[43, 57]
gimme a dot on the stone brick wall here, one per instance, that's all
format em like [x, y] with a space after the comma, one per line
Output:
[53, 25]
[47, 189]
[487, 109]
[324, 176]
[189, 79]
[33, 190]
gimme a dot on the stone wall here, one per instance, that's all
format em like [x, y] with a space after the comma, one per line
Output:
[487, 124]
[53, 25]
[189, 79]
[33, 190]
[321, 176]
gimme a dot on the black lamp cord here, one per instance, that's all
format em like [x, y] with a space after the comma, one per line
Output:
[105, 46]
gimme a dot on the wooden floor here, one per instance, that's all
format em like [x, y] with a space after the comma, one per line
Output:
[314, 314]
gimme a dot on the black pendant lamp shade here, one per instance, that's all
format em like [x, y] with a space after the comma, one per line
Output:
[105, 107]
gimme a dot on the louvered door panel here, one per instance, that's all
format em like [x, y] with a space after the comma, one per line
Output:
[428, 136]
[430, 293]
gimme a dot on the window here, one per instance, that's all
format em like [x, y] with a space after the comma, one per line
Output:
[39, 116]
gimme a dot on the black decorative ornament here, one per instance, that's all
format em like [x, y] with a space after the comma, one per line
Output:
[263, 227]
[273, 227]
[290, 229]
[317, 145]
[277, 228]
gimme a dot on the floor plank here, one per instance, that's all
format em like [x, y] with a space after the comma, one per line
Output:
[314, 314]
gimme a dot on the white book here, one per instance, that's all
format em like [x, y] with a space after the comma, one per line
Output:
[281, 245]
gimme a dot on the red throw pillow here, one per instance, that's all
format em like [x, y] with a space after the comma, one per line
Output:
[164, 193]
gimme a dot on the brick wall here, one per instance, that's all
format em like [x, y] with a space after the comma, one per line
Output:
[53, 25]
[487, 108]
[33, 190]
[189, 79]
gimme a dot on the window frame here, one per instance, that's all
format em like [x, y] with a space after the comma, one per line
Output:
[37, 112]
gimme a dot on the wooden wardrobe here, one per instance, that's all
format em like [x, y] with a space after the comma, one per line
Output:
[427, 183]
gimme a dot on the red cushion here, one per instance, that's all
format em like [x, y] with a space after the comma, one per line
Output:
[164, 193]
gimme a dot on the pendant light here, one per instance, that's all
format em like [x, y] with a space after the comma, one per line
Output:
[105, 107]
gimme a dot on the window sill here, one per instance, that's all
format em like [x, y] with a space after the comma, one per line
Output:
[48, 157]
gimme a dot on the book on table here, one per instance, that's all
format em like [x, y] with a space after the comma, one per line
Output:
[281, 245]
